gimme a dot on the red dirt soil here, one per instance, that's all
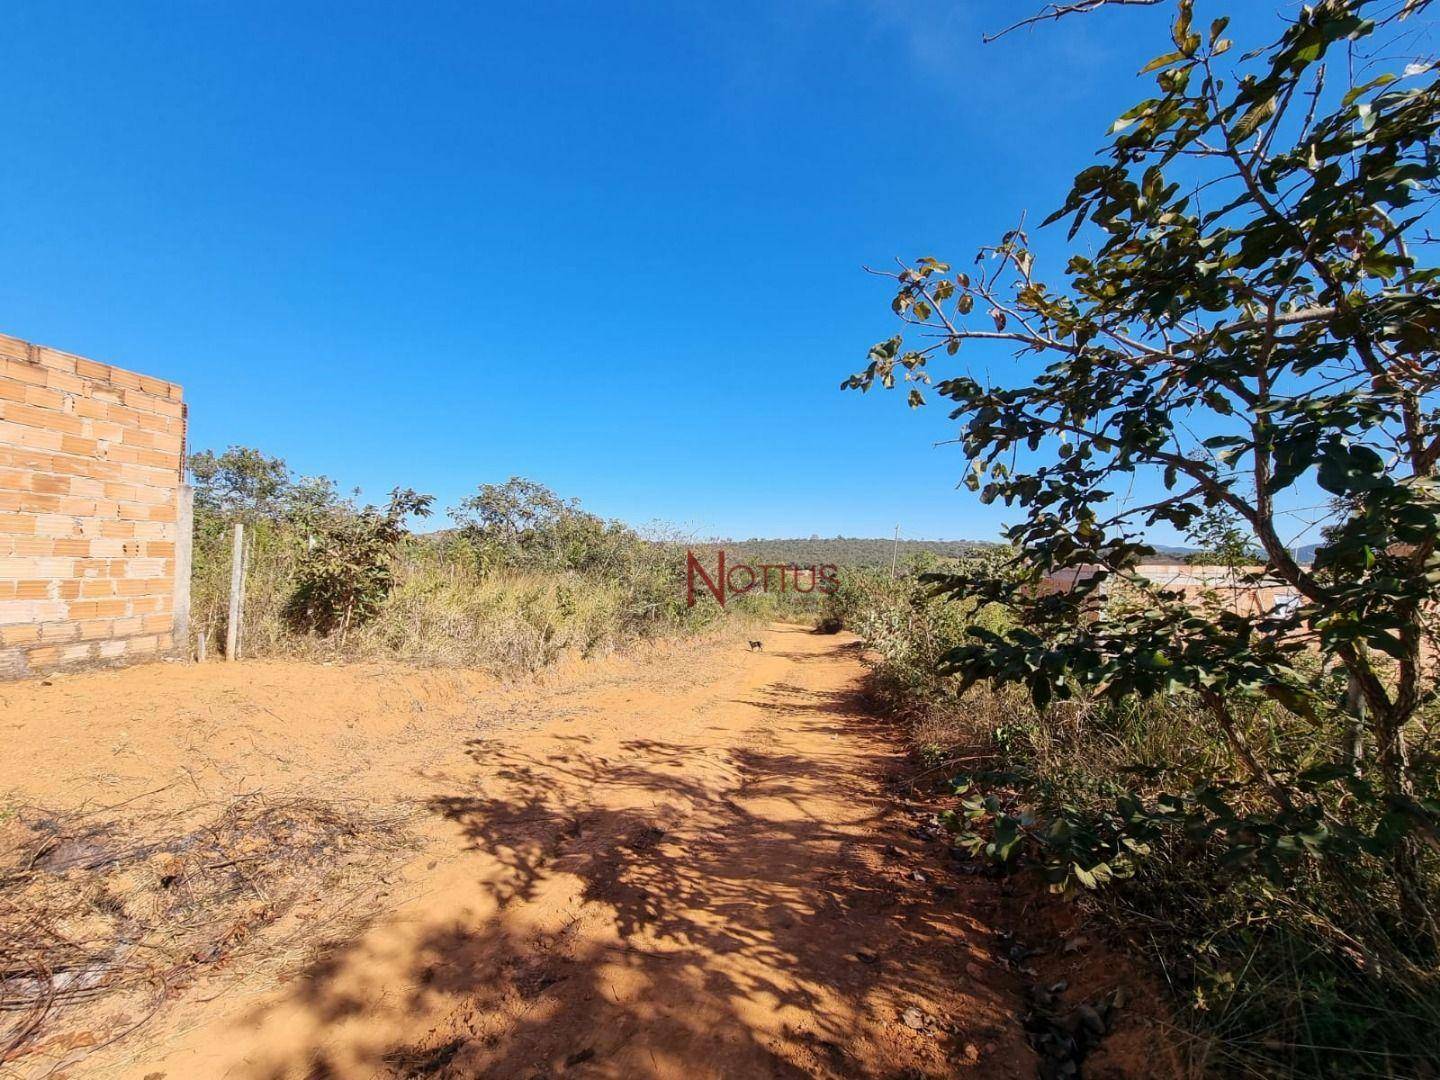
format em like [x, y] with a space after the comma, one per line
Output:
[684, 864]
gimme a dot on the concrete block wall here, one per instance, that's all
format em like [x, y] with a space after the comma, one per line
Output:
[92, 503]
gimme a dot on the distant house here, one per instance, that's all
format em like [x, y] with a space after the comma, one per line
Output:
[1248, 591]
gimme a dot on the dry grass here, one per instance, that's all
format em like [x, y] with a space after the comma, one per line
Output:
[1310, 976]
[508, 623]
[443, 612]
[120, 907]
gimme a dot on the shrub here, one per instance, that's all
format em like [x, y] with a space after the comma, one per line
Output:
[1116, 805]
[347, 570]
[524, 525]
[527, 579]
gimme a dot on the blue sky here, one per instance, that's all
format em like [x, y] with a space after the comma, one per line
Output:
[615, 247]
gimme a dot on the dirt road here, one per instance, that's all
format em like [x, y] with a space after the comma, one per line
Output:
[681, 866]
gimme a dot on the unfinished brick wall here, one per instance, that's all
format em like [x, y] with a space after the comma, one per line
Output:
[92, 501]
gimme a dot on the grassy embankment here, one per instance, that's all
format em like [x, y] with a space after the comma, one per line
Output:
[1305, 967]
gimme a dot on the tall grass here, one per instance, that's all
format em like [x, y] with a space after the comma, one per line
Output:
[443, 610]
[272, 554]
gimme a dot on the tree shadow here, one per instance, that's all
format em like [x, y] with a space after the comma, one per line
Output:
[811, 656]
[650, 907]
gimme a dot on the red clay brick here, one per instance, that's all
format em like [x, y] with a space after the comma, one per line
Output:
[36, 417]
[53, 358]
[23, 371]
[91, 370]
[19, 524]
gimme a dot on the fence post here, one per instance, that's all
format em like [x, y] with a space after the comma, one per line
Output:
[240, 642]
[184, 542]
[237, 588]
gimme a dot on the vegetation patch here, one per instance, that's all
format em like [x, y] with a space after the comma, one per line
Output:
[525, 578]
[1239, 346]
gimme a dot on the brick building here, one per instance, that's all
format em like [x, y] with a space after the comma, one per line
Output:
[94, 512]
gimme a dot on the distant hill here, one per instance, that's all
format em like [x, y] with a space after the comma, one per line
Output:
[840, 550]
[816, 551]
[857, 550]
[1166, 553]
[874, 551]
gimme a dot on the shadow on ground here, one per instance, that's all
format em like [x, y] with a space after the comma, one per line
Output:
[734, 901]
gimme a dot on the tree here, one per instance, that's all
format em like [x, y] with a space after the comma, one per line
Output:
[247, 485]
[241, 484]
[1223, 541]
[521, 523]
[347, 570]
[510, 511]
[1255, 320]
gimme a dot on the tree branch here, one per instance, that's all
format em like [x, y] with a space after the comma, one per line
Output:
[1058, 11]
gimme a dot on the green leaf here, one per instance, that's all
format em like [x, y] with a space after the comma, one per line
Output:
[1348, 469]
[1256, 115]
[1160, 62]
[1298, 701]
[1393, 828]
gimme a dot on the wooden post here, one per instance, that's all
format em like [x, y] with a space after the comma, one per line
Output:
[200, 644]
[237, 586]
[184, 557]
[244, 593]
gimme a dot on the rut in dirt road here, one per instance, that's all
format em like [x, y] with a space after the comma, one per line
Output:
[714, 885]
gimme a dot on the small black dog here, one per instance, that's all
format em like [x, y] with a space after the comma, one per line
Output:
[756, 645]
